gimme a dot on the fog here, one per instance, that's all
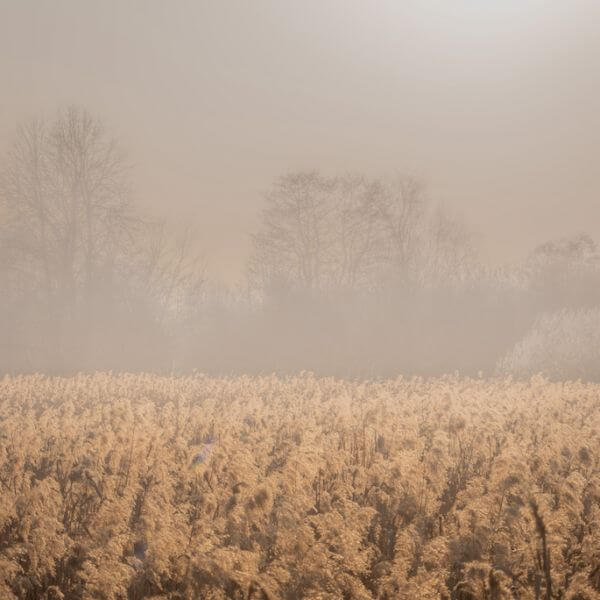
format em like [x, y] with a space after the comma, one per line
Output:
[346, 187]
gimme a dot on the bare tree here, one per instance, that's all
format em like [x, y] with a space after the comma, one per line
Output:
[26, 226]
[404, 211]
[354, 233]
[168, 271]
[68, 215]
[64, 194]
[90, 185]
[449, 255]
[80, 267]
[319, 233]
[294, 245]
[360, 232]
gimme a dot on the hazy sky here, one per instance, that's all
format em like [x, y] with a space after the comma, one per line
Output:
[493, 103]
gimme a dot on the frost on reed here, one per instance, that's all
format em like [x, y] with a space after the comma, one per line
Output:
[137, 487]
[563, 344]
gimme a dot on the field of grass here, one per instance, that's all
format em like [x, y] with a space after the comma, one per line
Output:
[138, 486]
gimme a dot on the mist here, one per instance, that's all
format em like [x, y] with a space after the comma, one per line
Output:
[350, 189]
[299, 299]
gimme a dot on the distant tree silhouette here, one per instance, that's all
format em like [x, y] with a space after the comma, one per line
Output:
[80, 266]
[351, 232]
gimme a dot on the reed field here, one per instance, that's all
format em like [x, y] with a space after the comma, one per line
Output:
[140, 486]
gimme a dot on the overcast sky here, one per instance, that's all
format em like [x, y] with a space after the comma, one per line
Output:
[493, 103]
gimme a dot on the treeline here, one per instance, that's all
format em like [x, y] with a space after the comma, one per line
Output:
[348, 275]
